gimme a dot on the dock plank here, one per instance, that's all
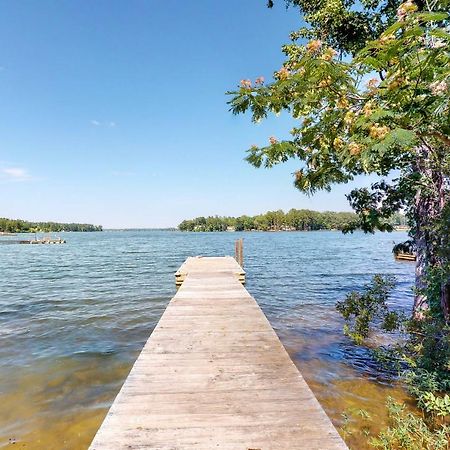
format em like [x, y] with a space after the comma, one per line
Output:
[214, 374]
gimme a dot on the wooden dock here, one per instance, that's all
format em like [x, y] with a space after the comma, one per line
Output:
[34, 241]
[214, 375]
[210, 265]
[405, 256]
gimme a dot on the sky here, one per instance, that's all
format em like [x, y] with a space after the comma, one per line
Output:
[115, 113]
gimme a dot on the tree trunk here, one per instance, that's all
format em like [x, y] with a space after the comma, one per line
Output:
[445, 300]
[443, 241]
[430, 203]
[422, 259]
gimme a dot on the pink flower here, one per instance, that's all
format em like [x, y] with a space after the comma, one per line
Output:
[372, 83]
[438, 87]
[283, 73]
[355, 149]
[438, 43]
[329, 54]
[259, 80]
[247, 84]
[313, 46]
[404, 9]
[273, 140]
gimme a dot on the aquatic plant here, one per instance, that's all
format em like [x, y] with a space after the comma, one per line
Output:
[421, 356]
[410, 432]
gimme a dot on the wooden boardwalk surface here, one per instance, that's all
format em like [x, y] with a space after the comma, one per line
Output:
[214, 375]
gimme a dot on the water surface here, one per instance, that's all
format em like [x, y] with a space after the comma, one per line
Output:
[74, 317]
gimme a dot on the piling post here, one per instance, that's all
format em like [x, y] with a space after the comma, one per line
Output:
[239, 251]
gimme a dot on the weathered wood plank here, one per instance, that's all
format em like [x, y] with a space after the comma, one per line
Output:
[214, 374]
[209, 267]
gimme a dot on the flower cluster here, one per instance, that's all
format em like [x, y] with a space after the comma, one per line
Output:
[283, 73]
[313, 46]
[395, 83]
[378, 131]
[438, 87]
[273, 140]
[329, 54]
[354, 148]
[386, 38]
[342, 103]
[246, 84]
[298, 175]
[349, 117]
[325, 82]
[372, 83]
[367, 109]
[404, 9]
[259, 80]
[338, 142]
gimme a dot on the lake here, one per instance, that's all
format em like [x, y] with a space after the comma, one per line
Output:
[74, 317]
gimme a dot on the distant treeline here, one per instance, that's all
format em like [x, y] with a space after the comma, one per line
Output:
[294, 220]
[23, 226]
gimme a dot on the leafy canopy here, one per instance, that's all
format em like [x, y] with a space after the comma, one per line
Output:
[362, 114]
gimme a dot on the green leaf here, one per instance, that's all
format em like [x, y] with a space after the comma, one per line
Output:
[440, 33]
[393, 28]
[432, 16]
[401, 137]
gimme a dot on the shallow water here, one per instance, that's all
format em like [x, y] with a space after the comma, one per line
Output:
[74, 317]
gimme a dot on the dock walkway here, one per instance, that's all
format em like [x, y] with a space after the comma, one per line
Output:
[214, 375]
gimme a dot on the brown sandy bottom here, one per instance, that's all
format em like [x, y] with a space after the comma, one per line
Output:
[60, 405]
[354, 397]
[344, 400]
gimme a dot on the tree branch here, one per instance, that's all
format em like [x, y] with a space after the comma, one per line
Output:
[442, 137]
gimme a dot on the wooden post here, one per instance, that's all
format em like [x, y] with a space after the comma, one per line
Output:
[239, 252]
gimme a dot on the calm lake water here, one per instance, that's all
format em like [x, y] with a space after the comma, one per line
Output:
[74, 317]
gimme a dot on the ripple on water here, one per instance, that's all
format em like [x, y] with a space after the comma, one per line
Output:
[74, 318]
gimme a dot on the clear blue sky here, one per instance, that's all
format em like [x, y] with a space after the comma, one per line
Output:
[114, 112]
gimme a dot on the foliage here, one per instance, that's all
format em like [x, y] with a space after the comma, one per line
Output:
[293, 220]
[370, 94]
[360, 310]
[347, 25]
[425, 348]
[434, 405]
[427, 352]
[410, 432]
[345, 128]
[23, 226]
[421, 357]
